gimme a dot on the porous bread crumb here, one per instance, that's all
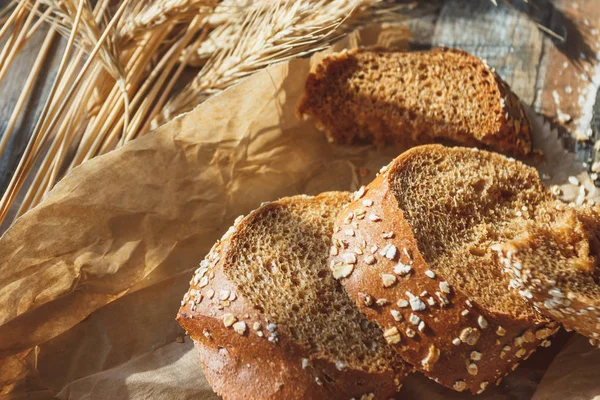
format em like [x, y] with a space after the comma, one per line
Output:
[278, 260]
[387, 96]
[484, 191]
[554, 266]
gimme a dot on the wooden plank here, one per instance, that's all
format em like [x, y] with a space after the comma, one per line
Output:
[423, 26]
[507, 39]
[572, 80]
[560, 80]
[10, 89]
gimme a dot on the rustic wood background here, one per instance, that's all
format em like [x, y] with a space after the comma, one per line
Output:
[560, 80]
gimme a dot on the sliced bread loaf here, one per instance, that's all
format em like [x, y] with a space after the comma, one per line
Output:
[388, 96]
[414, 253]
[271, 322]
[553, 263]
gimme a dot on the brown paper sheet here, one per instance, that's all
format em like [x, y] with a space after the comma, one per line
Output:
[574, 373]
[95, 273]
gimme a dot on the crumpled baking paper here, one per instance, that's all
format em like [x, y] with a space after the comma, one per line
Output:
[91, 279]
[574, 373]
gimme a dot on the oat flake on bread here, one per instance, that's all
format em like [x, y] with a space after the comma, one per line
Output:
[447, 207]
[290, 331]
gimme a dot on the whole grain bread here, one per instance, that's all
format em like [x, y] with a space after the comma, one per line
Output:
[553, 264]
[414, 252]
[389, 96]
[270, 321]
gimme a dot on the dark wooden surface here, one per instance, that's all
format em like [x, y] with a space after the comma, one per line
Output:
[560, 80]
[557, 79]
[10, 89]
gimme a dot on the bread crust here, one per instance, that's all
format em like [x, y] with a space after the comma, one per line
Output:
[461, 345]
[244, 365]
[344, 119]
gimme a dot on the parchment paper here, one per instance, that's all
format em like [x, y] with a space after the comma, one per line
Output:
[574, 373]
[91, 279]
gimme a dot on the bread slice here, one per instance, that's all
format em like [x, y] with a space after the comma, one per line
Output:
[388, 96]
[271, 322]
[427, 274]
[553, 263]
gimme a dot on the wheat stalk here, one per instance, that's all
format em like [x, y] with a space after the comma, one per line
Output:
[148, 16]
[27, 88]
[272, 32]
[61, 14]
[15, 23]
[119, 70]
[55, 105]
[37, 139]
[85, 112]
[6, 12]
[10, 14]
[224, 22]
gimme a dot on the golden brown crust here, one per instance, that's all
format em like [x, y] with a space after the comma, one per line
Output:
[383, 111]
[491, 345]
[555, 267]
[514, 131]
[236, 370]
[459, 202]
[239, 362]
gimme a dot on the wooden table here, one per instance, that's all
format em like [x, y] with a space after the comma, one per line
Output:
[560, 80]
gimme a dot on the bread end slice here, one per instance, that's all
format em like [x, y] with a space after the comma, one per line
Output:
[393, 97]
[271, 322]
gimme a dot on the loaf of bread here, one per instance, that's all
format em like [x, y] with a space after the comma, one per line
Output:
[386, 96]
[414, 252]
[270, 321]
[553, 264]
